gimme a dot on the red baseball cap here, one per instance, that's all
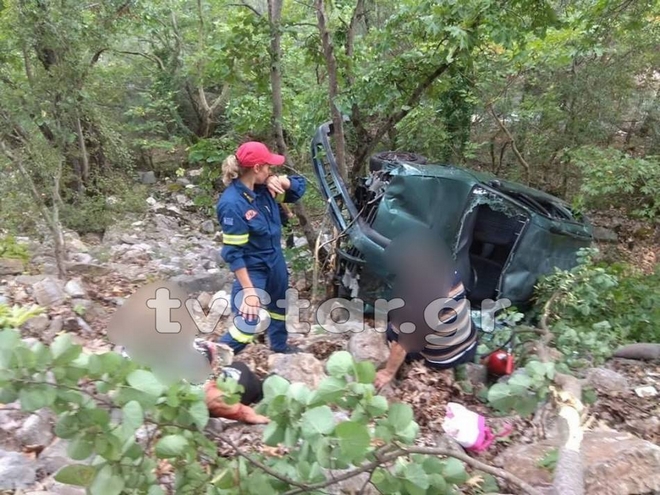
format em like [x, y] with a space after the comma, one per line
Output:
[254, 153]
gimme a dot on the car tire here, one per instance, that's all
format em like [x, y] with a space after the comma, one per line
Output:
[377, 161]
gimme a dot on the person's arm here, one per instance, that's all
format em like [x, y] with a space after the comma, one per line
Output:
[294, 187]
[394, 361]
[218, 408]
[235, 235]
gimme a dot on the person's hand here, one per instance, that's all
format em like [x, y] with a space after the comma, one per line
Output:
[249, 309]
[251, 417]
[275, 186]
[383, 377]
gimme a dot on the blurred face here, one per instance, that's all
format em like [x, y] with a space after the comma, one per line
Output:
[261, 173]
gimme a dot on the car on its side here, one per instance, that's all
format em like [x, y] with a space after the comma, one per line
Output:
[503, 235]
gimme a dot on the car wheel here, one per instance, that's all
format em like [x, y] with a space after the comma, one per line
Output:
[377, 161]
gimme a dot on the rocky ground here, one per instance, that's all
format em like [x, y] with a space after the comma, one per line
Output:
[173, 241]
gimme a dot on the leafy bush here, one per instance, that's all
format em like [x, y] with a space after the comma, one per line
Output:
[613, 178]
[103, 400]
[9, 248]
[599, 306]
[112, 198]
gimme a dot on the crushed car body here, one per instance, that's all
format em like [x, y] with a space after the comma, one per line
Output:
[503, 235]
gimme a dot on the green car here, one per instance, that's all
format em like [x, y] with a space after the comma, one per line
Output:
[503, 235]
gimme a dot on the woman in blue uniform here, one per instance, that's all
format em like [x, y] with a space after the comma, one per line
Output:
[249, 216]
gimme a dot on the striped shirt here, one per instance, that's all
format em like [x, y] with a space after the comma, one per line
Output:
[444, 333]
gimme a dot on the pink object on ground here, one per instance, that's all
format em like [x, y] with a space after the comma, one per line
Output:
[469, 429]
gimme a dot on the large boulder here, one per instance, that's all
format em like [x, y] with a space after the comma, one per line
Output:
[369, 345]
[49, 292]
[302, 367]
[614, 463]
[607, 381]
[37, 430]
[10, 266]
[17, 471]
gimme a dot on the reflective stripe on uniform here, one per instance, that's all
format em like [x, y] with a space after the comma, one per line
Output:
[276, 316]
[235, 239]
[238, 336]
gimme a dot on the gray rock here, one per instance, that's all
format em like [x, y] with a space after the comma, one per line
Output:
[74, 288]
[477, 374]
[614, 463]
[605, 235]
[4, 300]
[62, 489]
[90, 269]
[49, 292]
[148, 177]
[73, 243]
[606, 380]
[54, 457]
[16, 471]
[77, 325]
[445, 442]
[56, 326]
[302, 367]
[369, 345]
[30, 279]
[37, 324]
[182, 181]
[81, 258]
[203, 282]
[166, 223]
[129, 239]
[10, 266]
[36, 430]
[208, 227]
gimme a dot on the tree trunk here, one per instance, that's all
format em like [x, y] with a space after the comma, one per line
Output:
[275, 14]
[333, 89]
[52, 221]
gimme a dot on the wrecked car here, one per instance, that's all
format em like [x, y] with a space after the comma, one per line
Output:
[503, 235]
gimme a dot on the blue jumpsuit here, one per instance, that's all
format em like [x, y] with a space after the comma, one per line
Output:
[252, 232]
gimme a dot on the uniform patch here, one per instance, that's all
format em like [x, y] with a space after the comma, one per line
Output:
[250, 214]
[228, 221]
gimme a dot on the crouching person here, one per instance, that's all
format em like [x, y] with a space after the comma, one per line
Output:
[241, 372]
[434, 322]
[241, 411]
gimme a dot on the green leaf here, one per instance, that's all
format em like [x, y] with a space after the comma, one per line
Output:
[273, 434]
[377, 405]
[340, 364]
[155, 490]
[415, 479]
[385, 482]
[549, 460]
[275, 385]
[437, 484]
[133, 415]
[171, 446]
[107, 482]
[365, 372]
[408, 434]
[200, 414]
[146, 382]
[400, 416]
[535, 368]
[64, 350]
[454, 472]
[330, 390]
[34, 397]
[501, 397]
[81, 447]
[76, 474]
[354, 440]
[317, 421]
[67, 426]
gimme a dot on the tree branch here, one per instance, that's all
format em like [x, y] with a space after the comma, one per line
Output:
[246, 6]
[259, 464]
[519, 156]
[153, 58]
[396, 117]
